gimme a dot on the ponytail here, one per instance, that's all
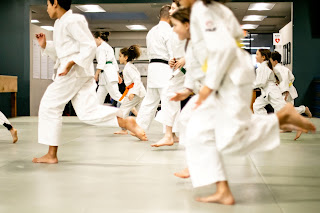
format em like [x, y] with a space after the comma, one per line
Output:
[133, 52]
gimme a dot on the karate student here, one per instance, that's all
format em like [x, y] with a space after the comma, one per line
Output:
[106, 70]
[135, 91]
[4, 121]
[224, 100]
[266, 80]
[159, 72]
[289, 92]
[73, 48]
[170, 110]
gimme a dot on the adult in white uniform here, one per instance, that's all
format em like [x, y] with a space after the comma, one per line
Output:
[135, 91]
[5, 122]
[170, 110]
[289, 92]
[107, 70]
[225, 100]
[159, 72]
[73, 48]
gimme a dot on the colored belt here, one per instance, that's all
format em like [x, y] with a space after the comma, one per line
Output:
[109, 62]
[126, 91]
[183, 70]
[155, 60]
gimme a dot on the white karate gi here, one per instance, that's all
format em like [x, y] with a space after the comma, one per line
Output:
[224, 122]
[270, 91]
[286, 85]
[170, 110]
[3, 119]
[159, 74]
[132, 75]
[72, 41]
[108, 79]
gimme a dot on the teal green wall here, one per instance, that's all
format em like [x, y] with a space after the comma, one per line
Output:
[14, 51]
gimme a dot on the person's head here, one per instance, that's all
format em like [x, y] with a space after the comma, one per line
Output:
[181, 23]
[174, 6]
[264, 55]
[55, 6]
[99, 37]
[129, 54]
[164, 13]
[275, 58]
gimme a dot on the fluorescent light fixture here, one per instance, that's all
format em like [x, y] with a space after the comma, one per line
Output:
[254, 18]
[249, 26]
[90, 8]
[257, 48]
[33, 21]
[49, 28]
[136, 27]
[261, 6]
[247, 39]
[245, 43]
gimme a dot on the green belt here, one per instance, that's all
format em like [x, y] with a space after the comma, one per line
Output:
[183, 70]
[109, 62]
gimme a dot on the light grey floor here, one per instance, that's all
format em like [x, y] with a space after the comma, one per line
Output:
[101, 172]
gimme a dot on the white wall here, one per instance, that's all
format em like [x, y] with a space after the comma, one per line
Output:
[286, 37]
[37, 86]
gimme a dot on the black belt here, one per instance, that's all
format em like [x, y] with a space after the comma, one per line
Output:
[155, 60]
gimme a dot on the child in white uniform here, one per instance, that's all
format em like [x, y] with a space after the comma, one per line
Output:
[5, 122]
[73, 48]
[225, 101]
[106, 70]
[135, 91]
[289, 92]
[266, 80]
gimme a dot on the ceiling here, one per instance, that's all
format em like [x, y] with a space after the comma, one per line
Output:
[117, 16]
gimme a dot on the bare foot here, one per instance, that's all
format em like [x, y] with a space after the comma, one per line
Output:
[289, 119]
[225, 198]
[14, 134]
[165, 141]
[283, 131]
[121, 132]
[175, 139]
[298, 135]
[46, 159]
[308, 113]
[183, 174]
[135, 129]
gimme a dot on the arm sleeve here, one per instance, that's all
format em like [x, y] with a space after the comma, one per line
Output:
[221, 47]
[50, 50]
[261, 78]
[102, 59]
[136, 79]
[80, 32]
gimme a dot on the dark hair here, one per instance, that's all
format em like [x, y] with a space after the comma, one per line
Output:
[177, 2]
[65, 4]
[267, 54]
[276, 56]
[182, 15]
[164, 12]
[206, 2]
[103, 35]
[133, 52]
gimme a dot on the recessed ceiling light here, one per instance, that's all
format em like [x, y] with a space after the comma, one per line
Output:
[249, 26]
[253, 18]
[136, 27]
[245, 43]
[91, 8]
[33, 21]
[247, 39]
[49, 28]
[261, 6]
